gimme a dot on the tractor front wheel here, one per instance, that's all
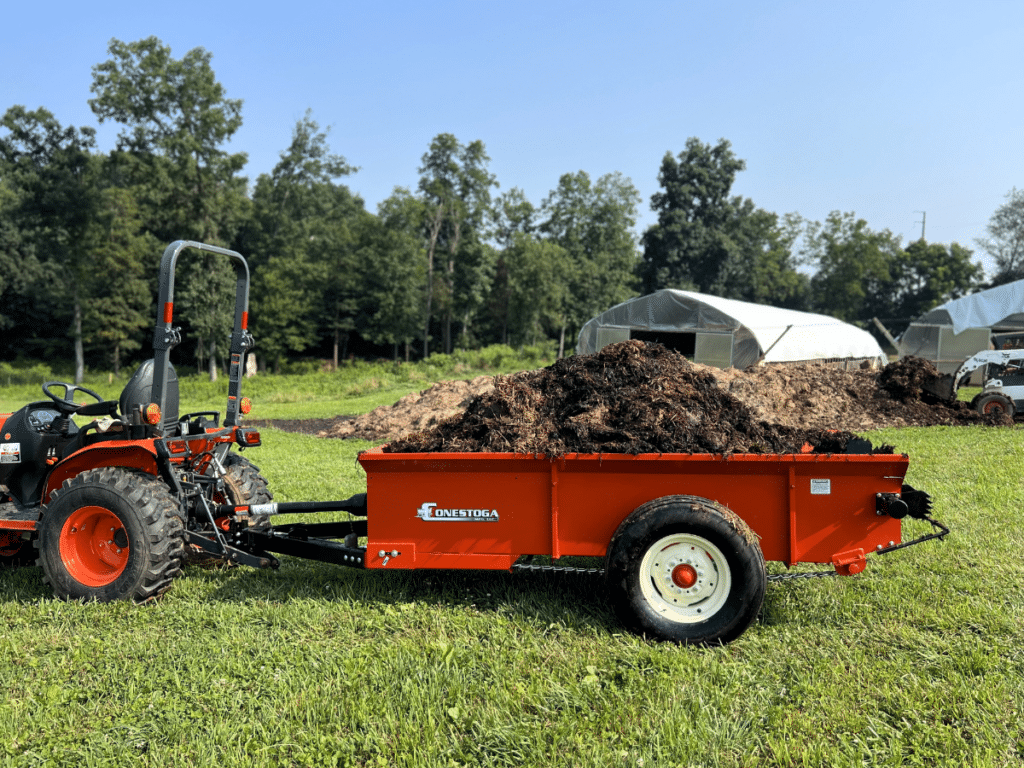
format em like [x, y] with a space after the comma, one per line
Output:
[111, 534]
[686, 569]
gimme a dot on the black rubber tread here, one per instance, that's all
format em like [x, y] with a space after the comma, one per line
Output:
[993, 400]
[245, 485]
[710, 520]
[152, 522]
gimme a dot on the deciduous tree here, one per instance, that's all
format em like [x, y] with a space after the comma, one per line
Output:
[594, 224]
[456, 187]
[689, 246]
[392, 263]
[300, 245]
[120, 307]
[928, 274]
[854, 268]
[50, 170]
[1005, 238]
[177, 119]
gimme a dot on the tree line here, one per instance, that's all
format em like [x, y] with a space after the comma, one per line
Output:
[450, 263]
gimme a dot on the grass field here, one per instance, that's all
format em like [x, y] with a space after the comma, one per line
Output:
[917, 661]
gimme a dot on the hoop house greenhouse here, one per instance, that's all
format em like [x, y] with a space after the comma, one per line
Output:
[954, 331]
[725, 332]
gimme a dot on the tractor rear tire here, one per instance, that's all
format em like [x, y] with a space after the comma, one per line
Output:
[994, 403]
[111, 534]
[245, 485]
[686, 569]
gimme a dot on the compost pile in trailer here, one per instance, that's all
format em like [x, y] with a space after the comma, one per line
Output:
[804, 397]
[629, 397]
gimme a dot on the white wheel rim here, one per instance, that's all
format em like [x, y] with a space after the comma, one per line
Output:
[685, 578]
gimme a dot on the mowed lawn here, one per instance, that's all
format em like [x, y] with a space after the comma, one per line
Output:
[917, 661]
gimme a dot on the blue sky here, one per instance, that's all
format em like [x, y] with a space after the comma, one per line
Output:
[886, 109]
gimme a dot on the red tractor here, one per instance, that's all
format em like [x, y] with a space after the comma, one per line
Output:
[114, 506]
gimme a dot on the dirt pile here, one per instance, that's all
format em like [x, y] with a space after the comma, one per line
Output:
[628, 398]
[413, 413]
[822, 397]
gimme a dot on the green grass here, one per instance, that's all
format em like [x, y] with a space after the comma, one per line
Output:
[356, 387]
[917, 661]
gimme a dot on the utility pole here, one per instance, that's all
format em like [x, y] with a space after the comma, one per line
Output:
[924, 215]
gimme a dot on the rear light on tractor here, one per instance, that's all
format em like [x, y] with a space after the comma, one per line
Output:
[245, 405]
[248, 437]
[151, 414]
[176, 447]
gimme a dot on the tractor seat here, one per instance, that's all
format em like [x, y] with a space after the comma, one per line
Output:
[139, 392]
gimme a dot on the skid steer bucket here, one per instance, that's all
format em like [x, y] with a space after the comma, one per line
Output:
[943, 387]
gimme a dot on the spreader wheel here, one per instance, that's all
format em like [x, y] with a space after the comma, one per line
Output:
[994, 403]
[686, 569]
[111, 534]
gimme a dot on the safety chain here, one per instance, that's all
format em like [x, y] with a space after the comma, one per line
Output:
[807, 575]
[529, 567]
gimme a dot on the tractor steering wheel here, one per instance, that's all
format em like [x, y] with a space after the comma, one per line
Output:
[65, 404]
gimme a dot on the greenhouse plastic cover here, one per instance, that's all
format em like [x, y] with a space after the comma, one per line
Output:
[985, 309]
[754, 327]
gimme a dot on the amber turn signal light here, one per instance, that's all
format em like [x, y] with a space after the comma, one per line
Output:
[151, 414]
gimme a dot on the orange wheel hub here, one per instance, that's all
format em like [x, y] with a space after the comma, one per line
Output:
[684, 576]
[94, 546]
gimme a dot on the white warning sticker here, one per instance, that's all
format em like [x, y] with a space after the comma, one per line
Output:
[821, 487]
[10, 453]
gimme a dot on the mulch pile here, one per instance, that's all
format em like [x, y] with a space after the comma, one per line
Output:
[820, 396]
[630, 397]
[633, 398]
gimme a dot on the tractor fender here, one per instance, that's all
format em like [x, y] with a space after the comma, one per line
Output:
[134, 455]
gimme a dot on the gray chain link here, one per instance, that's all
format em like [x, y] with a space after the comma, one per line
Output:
[807, 575]
[568, 569]
[557, 569]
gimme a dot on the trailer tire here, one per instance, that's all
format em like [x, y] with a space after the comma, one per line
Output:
[111, 534]
[686, 569]
[994, 403]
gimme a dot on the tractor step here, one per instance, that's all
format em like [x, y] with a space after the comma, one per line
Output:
[15, 517]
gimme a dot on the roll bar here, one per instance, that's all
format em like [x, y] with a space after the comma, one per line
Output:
[166, 336]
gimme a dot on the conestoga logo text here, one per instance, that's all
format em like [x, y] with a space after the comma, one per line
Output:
[430, 512]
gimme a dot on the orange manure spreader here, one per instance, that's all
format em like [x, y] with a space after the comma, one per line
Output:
[112, 509]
